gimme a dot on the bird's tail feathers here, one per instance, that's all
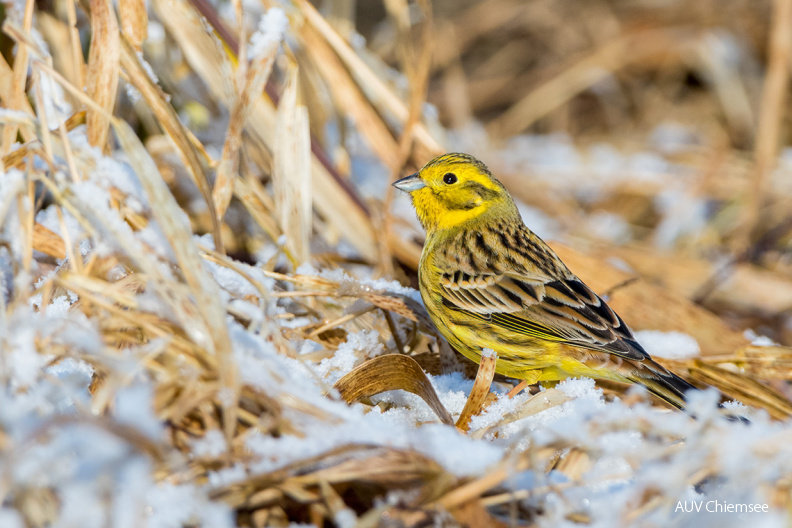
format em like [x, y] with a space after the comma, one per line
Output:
[662, 383]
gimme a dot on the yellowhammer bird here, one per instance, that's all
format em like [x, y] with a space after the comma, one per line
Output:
[489, 282]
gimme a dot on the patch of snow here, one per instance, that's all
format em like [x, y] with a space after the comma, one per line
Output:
[354, 350]
[213, 444]
[757, 339]
[133, 406]
[668, 345]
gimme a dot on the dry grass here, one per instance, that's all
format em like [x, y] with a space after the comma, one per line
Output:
[252, 151]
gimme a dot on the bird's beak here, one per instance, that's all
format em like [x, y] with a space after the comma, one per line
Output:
[410, 183]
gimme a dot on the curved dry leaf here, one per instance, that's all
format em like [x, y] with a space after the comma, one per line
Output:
[382, 465]
[387, 373]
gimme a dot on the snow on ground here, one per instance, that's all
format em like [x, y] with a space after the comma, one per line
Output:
[668, 345]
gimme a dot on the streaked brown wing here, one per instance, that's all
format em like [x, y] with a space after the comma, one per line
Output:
[490, 293]
[557, 309]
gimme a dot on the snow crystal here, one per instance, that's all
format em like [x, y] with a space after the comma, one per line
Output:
[237, 284]
[133, 406]
[213, 444]
[672, 138]
[553, 153]
[112, 173]
[620, 264]
[357, 41]
[580, 388]
[703, 404]
[684, 214]
[174, 506]
[13, 184]
[246, 309]
[55, 105]
[452, 389]
[74, 369]
[133, 482]
[497, 410]
[73, 512]
[272, 27]
[227, 476]
[24, 363]
[669, 345]
[153, 237]
[457, 453]
[489, 353]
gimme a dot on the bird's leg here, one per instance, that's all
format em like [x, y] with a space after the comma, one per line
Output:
[518, 389]
[531, 377]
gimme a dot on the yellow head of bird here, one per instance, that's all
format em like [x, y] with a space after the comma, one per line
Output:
[454, 189]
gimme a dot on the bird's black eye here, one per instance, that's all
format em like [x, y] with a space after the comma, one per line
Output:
[449, 178]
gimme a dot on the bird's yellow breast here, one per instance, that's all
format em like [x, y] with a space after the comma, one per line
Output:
[470, 335]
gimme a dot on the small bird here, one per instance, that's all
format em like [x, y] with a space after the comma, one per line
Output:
[489, 282]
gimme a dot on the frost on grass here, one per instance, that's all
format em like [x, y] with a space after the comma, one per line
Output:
[350, 285]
